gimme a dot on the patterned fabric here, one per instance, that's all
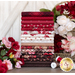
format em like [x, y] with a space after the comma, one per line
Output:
[38, 14]
[37, 27]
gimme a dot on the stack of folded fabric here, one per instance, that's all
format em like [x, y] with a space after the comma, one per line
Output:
[37, 38]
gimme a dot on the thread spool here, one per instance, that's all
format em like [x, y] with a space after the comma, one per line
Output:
[58, 59]
[74, 66]
[54, 65]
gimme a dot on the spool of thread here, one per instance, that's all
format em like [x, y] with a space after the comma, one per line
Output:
[54, 65]
[74, 66]
[58, 59]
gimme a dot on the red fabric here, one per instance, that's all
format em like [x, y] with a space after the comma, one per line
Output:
[39, 26]
[37, 22]
[37, 29]
[37, 14]
[37, 18]
[41, 22]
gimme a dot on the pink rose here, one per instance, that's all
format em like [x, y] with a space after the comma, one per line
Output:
[72, 46]
[69, 37]
[66, 45]
[17, 55]
[8, 63]
[18, 64]
[64, 41]
[72, 42]
[6, 42]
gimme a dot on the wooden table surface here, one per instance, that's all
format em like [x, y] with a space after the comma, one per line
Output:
[38, 70]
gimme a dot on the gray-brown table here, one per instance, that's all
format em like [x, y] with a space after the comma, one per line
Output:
[38, 70]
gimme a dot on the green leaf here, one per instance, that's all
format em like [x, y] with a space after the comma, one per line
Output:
[54, 10]
[3, 52]
[5, 57]
[56, 13]
[0, 57]
[44, 10]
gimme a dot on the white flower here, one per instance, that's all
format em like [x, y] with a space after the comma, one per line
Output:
[69, 34]
[72, 45]
[64, 41]
[61, 30]
[69, 26]
[56, 25]
[62, 20]
[56, 31]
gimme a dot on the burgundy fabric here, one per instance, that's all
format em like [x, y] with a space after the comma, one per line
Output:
[36, 18]
[39, 26]
[37, 22]
[37, 14]
[43, 23]
[37, 29]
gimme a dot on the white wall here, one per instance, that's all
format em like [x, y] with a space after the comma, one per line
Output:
[5, 10]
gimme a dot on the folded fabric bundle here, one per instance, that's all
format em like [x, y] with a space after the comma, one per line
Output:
[37, 29]
[41, 42]
[37, 22]
[37, 47]
[36, 25]
[37, 14]
[37, 36]
[37, 39]
[36, 18]
[38, 51]
[37, 32]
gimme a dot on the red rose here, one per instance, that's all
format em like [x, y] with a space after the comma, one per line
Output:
[61, 49]
[15, 45]
[22, 60]
[0, 62]
[11, 51]
[72, 3]
[59, 43]
[11, 39]
[3, 68]
[58, 8]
